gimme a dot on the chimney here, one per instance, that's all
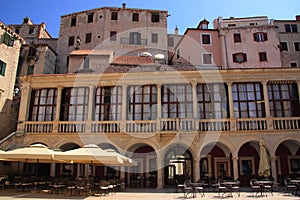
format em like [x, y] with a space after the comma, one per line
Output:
[298, 18]
[124, 5]
[176, 30]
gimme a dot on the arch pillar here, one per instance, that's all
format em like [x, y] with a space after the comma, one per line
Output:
[160, 166]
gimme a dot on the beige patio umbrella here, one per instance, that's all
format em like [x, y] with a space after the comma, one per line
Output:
[127, 161]
[90, 154]
[36, 153]
[264, 166]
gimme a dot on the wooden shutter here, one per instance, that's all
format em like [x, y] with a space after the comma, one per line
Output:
[254, 37]
[244, 57]
[265, 37]
[2, 68]
[234, 57]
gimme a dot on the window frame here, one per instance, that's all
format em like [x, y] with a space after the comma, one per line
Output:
[135, 17]
[141, 101]
[155, 17]
[73, 21]
[296, 46]
[237, 38]
[90, 18]
[88, 38]
[2, 68]
[113, 36]
[114, 15]
[243, 98]
[71, 41]
[235, 57]
[284, 46]
[154, 37]
[43, 110]
[262, 56]
[260, 37]
[204, 41]
[108, 103]
[211, 58]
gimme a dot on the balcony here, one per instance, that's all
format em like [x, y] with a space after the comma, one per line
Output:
[164, 125]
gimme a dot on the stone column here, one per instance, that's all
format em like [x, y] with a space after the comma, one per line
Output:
[90, 109]
[195, 105]
[267, 106]
[124, 108]
[274, 168]
[158, 107]
[298, 85]
[58, 107]
[52, 169]
[235, 168]
[160, 167]
[196, 176]
[231, 107]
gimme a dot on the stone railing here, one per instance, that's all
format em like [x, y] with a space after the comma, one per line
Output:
[164, 125]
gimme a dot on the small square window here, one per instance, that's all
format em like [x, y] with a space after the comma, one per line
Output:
[31, 30]
[205, 39]
[90, 18]
[283, 46]
[73, 21]
[17, 30]
[113, 36]
[135, 17]
[207, 58]
[155, 17]
[262, 56]
[88, 38]
[154, 38]
[171, 42]
[237, 37]
[114, 15]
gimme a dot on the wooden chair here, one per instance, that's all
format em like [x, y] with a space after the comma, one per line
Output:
[254, 187]
[289, 186]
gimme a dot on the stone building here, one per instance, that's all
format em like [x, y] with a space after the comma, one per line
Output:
[289, 36]
[203, 117]
[10, 45]
[38, 54]
[125, 31]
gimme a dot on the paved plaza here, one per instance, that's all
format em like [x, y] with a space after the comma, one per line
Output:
[139, 195]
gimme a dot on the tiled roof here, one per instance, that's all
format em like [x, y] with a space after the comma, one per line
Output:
[133, 60]
[91, 52]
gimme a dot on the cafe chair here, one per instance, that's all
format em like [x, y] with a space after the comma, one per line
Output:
[200, 190]
[179, 186]
[187, 189]
[236, 188]
[290, 188]
[254, 187]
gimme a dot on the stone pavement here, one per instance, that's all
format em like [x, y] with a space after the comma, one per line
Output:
[138, 195]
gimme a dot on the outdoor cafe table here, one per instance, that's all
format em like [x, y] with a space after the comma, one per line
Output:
[230, 185]
[194, 189]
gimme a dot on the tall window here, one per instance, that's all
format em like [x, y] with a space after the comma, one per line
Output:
[212, 101]
[135, 38]
[73, 21]
[205, 39]
[74, 104]
[135, 17]
[113, 36]
[90, 18]
[2, 68]
[297, 46]
[114, 15]
[88, 38]
[248, 100]
[31, 30]
[283, 99]
[177, 101]
[170, 41]
[154, 38]
[86, 62]
[71, 40]
[142, 102]
[108, 103]
[8, 39]
[43, 104]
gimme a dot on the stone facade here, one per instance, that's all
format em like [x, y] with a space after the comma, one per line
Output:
[10, 45]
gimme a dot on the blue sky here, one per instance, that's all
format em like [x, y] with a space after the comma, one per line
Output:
[184, 14]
